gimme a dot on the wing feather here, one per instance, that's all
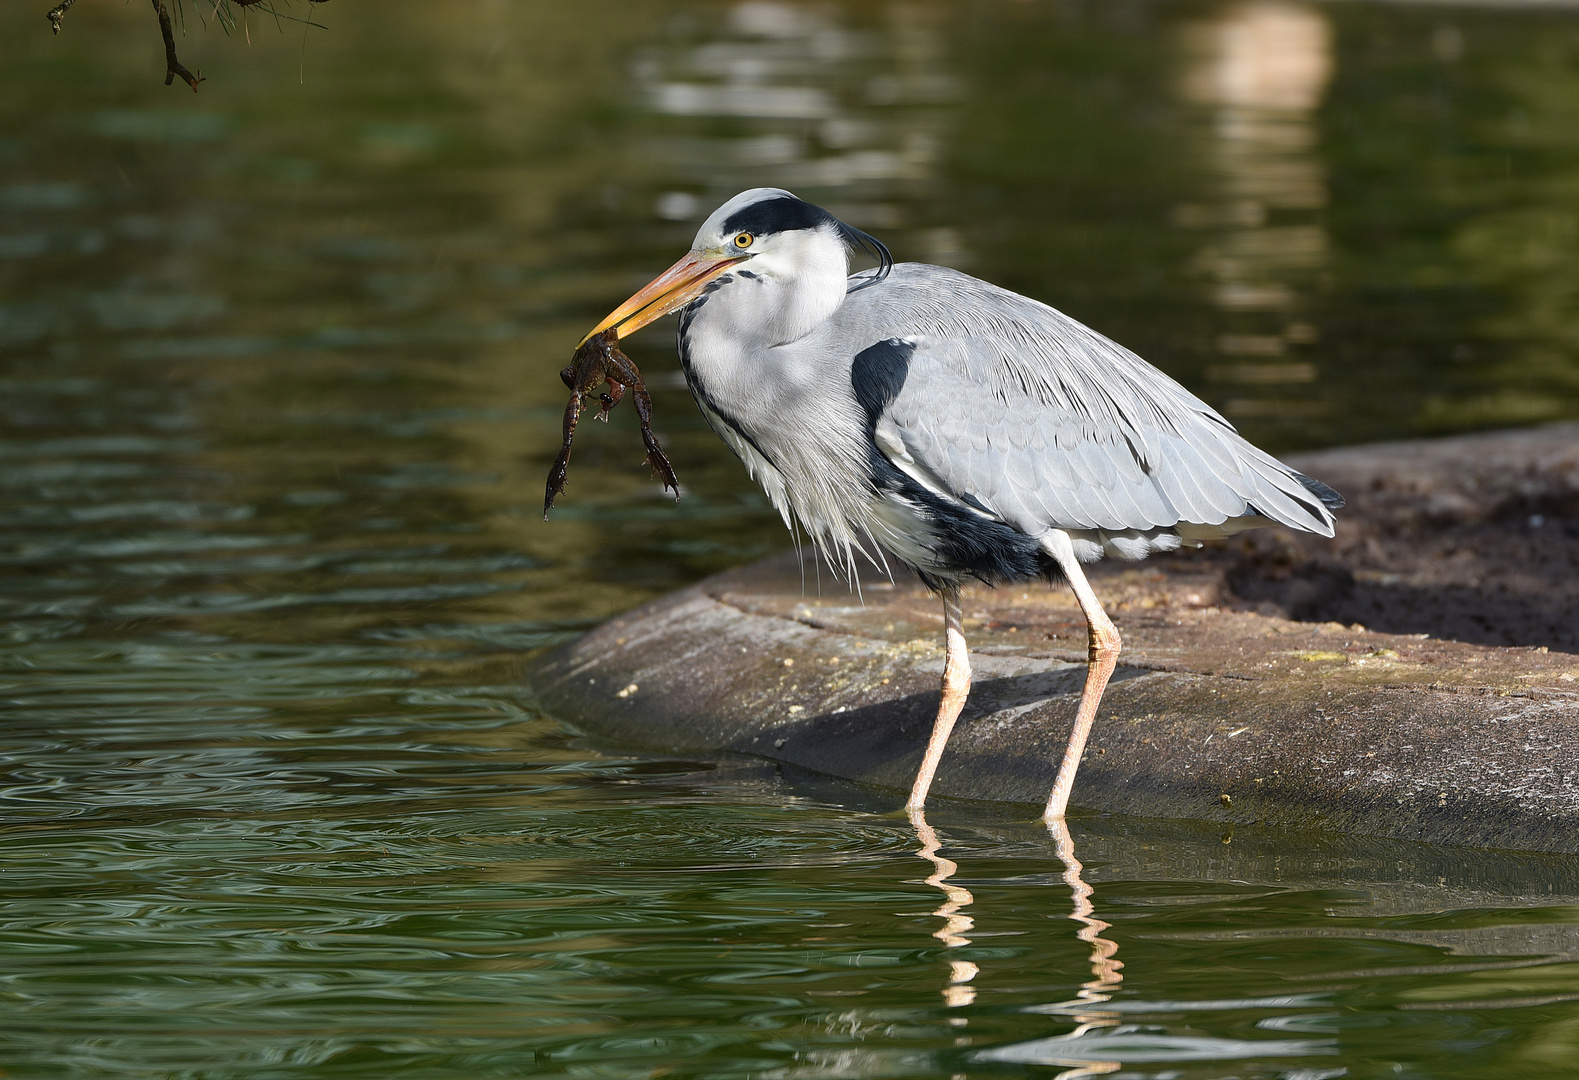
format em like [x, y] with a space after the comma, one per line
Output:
[1049, 424]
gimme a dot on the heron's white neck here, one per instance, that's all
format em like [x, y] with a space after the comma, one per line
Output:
[774, 390]
[781, 295]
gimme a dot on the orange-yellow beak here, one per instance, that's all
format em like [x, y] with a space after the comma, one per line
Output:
[669, 291]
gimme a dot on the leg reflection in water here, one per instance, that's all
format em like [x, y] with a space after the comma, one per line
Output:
[1105, 978]
[955, 924]
[1105, 968]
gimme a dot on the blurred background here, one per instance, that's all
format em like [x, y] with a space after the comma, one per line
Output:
[278, 394]
[315, 312]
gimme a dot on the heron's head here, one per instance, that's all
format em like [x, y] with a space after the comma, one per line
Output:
[766, 237]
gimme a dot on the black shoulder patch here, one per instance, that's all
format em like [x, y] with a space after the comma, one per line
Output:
[1329, 498]
[968, 541]
[782, 213]
[878, 373]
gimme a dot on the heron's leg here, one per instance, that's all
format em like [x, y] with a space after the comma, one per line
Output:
[1105, 644]
[956, 688]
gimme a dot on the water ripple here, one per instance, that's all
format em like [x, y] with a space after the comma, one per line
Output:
[277, 395]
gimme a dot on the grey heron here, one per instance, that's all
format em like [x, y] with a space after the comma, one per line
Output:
[965, 430]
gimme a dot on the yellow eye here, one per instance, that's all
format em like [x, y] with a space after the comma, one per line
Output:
[743, 240]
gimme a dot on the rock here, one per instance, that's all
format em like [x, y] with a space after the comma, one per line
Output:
[1471, 539]
[1239, 697]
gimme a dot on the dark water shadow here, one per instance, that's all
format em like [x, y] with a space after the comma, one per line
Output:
[1399, 875]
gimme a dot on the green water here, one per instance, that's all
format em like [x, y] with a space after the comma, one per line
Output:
[277, 398]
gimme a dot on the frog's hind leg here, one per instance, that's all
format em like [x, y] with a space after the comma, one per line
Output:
[556, 474]
[655, 455]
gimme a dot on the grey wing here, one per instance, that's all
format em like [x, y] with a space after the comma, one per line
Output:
[1044, 423]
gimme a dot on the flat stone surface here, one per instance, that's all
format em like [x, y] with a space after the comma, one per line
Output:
[1237, 698]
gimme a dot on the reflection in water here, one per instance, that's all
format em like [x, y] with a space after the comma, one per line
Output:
[955, 924]
[1260, 69]
[1105, 977]
[1101, 1043]
[277, 396]
[1105, 967]
[845, 117]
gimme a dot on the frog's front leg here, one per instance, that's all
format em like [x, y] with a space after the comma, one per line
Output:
[616, 394]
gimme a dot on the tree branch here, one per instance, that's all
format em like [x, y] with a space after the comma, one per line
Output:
[172, 63]
[57, 13]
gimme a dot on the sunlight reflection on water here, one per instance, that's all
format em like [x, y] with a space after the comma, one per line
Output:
[277, 387]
